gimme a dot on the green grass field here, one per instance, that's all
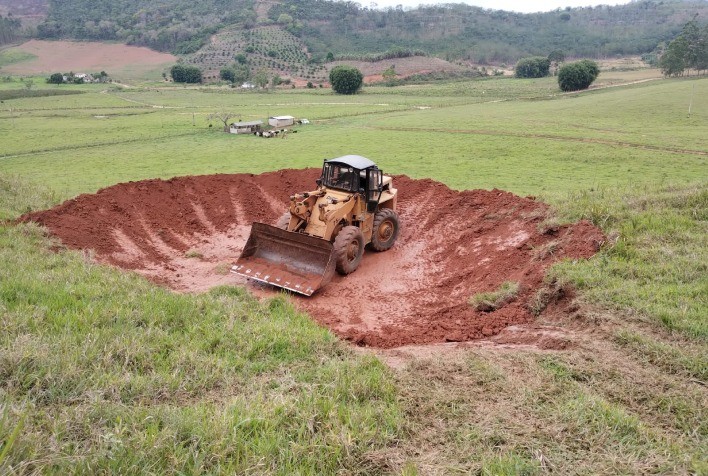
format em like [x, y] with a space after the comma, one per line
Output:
[102, 372]
[8, 57]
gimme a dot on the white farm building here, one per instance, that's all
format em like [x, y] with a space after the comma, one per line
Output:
[281, 121]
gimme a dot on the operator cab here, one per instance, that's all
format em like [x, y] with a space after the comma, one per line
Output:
[355, 174]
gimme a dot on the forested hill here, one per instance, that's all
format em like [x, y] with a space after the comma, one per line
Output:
[180, 26]
[451, 31]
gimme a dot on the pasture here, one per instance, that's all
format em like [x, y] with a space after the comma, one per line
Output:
[105, 372]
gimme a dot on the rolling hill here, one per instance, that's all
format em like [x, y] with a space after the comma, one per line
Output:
[295, 37]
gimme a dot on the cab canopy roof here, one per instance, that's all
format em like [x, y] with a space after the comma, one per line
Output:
[356, 161]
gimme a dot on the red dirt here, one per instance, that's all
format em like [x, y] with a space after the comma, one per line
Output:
[87, 57]
[404, 66]
[186, 232]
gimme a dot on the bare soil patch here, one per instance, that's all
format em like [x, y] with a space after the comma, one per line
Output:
[185, 233]
[372, 70]
[87, 57]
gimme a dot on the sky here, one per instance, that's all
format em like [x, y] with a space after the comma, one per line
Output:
[523, 6]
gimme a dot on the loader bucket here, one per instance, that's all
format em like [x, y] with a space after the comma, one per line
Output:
[289, 260]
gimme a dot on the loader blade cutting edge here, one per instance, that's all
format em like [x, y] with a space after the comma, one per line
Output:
[293, 261]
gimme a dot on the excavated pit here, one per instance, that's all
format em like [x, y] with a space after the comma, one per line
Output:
[186, 232]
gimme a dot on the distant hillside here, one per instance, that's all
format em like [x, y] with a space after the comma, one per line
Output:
[452, 31]
[295, 37]
[19, 18]
[458, 31]
[179, 26]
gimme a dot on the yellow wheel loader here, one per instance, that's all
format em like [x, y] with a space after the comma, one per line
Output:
[326, 229]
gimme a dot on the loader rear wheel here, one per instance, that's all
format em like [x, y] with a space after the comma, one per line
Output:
[348, 249]
[283, 221]
[385, 230]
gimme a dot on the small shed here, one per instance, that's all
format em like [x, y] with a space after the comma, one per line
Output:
[249, 127]
[281, 121]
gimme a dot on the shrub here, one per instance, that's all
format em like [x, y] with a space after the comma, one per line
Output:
[346, 79]
[577, 76]
[535, 67]
[592, 68]
[227, 74]
[186, 74]
[56, 78]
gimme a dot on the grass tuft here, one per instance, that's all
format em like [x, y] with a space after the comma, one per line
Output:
[492, 300]
[194, 254]
[510, 464]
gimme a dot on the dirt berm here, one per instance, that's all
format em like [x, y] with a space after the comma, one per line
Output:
[186, 232]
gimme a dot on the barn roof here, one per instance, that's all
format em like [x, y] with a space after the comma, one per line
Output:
[246, 124]
[356, 161]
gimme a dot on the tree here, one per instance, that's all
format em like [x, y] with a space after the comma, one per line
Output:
[223, 117]
[689, 50]
[241, 58]
[186, 74]
[284, 18]
[29, 84]
[56, 78]
[578, 75]
[346, 79]
[227, 74]
[390, 76]
[692, 37]
[261, 79]
[702, 60]
[673, 61]
[241, 73]
[534, 67]
[556, 57]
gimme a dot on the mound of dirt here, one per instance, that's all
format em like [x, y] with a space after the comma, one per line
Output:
[186, 232]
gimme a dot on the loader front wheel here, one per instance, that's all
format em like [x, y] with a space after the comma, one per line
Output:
[283, 221]
[348, 249]
[385, 229]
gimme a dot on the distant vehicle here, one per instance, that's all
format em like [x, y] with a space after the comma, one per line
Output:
[248, 86]
[304, 121]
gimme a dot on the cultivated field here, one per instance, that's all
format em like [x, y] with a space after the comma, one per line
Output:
[121, 61]
[103, 371]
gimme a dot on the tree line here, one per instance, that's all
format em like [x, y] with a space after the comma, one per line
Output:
[689, 50]
[464, 32]
[9, 29]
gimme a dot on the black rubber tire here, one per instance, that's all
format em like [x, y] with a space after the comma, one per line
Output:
[385, 230]
[348, 249]
[283, 221]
